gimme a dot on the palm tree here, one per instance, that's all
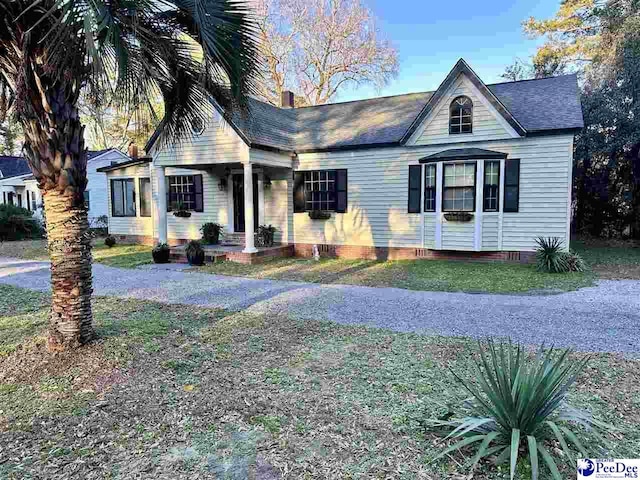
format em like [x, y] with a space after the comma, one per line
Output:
[192, 52]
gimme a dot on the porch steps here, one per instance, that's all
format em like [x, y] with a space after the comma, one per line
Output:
[177, 255]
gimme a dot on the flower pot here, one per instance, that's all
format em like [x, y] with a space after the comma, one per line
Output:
[214, 238]
[161, 256]
[196, 258]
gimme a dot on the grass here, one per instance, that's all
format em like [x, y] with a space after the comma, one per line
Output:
[433, 275]
[188, 392]
[120, 255]
[610, 259]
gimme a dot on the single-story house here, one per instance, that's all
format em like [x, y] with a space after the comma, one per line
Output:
[474, 168]
[22, 189]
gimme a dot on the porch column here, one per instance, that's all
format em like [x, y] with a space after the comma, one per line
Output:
[161, 205]
[249, 242]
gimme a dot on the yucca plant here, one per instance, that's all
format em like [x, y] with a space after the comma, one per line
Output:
[519, 406]
[550, 255]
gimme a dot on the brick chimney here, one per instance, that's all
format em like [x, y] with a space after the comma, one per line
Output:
[132, 150]
[286, 99]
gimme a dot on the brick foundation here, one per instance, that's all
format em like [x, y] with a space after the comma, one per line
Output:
[408, 253]
[352, 252]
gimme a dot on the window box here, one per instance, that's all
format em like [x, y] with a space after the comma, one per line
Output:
[182, 213]
[458, 216]
[319, 215]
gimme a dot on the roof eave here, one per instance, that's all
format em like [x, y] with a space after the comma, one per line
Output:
[130, 163]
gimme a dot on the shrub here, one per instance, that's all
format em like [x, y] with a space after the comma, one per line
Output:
[265, 235]
[518, 406]
[110, 241]
[550, 256]
[211, 232]
[575, 263]
[17, 223]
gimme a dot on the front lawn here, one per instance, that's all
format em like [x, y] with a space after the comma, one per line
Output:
[120, 255]
[433, 275]
[174, 392]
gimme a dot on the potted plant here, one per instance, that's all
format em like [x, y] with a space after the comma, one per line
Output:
[180, 211]
[195, 253]
[211, 233]
[265, 235]
[161, 253]
[110, 241]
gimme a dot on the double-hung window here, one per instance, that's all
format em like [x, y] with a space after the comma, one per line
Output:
[144, 187]
[123, 197]
[184, 192]
[459, 189]
[324, 190]
[491, 186]
[430, 188]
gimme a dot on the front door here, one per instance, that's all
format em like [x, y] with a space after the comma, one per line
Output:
[238, 202]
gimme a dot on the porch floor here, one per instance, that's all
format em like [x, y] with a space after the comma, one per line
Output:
[234, 253]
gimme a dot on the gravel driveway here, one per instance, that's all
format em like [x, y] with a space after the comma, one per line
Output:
[601, 318]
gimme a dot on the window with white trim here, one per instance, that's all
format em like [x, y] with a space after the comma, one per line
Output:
[430, 188]
[461, 115]
[123, 198]
[491, 186]
[459, 189]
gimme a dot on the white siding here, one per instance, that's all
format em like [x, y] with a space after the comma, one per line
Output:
[457, 235]
[487, 123]
[377, 201]
[278, 203]
[377, 196]
[430, 230]
[219, 143]
[97, 183]
[490, 231]
[215, 206]
[137, 225]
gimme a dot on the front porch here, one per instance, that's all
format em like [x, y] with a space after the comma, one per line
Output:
[234, 253]
[239, 196]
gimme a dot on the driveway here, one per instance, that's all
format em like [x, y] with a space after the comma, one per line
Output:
[601, 318]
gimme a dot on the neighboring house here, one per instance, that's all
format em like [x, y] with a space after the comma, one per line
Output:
[22, 189]
[483, 169]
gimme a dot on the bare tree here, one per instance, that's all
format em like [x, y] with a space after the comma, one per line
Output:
[318, 47]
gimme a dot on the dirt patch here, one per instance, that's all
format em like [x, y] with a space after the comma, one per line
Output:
[617, 272]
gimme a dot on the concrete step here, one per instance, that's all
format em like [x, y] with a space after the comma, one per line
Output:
[232, 239]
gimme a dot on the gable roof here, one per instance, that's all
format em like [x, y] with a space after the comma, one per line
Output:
[530, 107]
[11, 166]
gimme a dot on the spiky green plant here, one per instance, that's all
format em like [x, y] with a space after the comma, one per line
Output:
[519, 405]
[550, 255]
[574, 261]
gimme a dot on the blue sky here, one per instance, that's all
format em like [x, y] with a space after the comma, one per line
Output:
[430, 36]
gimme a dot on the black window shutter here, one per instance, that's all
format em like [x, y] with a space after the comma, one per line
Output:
[511, 185]
[167, 182]
[199, 195]
[415, 181]
[341, 191]
[298, 192]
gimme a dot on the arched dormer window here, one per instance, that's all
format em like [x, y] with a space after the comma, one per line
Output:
[461, 115]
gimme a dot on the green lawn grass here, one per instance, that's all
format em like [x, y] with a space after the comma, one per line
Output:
[120, 255]
[188, 392]
[433, 275]
[610, 259]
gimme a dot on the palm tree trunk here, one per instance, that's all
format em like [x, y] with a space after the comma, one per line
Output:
[71, 284]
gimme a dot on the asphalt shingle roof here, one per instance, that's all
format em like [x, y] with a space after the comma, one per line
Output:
[538, 105]
[12, 166]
